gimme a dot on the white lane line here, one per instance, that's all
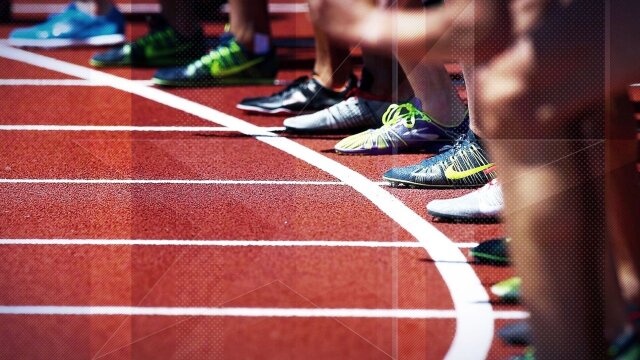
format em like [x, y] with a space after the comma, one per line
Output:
[474, 325]
[126, 128]
[61, 82]
[222, 243]
[173, 182]
[279, 8]
[44, 8]
[248, 312]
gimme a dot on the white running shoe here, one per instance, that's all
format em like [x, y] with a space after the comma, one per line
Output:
[484, 203]
[352, 113]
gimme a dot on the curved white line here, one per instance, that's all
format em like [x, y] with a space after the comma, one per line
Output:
[245, 312]
[475, 317]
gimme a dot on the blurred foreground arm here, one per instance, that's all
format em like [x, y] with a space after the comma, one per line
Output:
[463, 30]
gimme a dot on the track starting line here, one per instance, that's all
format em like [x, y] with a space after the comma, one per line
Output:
[224, 243]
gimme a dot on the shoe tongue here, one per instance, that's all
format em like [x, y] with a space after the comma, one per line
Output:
[471, 136]
[416, 102]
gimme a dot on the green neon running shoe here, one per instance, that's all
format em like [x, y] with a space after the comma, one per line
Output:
[162, 47]
[626, 346]
[404, 127]
[508, 290]
[529, 354]
[227, 64]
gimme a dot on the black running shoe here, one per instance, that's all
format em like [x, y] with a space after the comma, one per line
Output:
[162, 47]
[463, 165]
[494, 252]
[517, 333]
[304, 95]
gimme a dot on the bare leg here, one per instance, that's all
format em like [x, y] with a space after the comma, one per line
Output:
[104, 6]
[333, 63]
[98, 7]
[248, 18]
[182, 16]
[431, 82]
[623, 192]
[551, 158]
[382, 76]
[623, 200]
[382, 81]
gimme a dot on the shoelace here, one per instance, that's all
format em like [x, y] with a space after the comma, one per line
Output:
[403, 112]
[154, 37]
[223, 50]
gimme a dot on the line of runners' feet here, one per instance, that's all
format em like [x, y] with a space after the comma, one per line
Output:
[380, 127]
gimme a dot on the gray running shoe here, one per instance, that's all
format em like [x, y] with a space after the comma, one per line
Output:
[353, 113]
[484, 203]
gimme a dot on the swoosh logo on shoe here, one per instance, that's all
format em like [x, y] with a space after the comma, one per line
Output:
[216, 70]
[295, 98]
[452, 174]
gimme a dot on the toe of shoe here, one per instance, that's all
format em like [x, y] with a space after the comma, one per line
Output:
[23, 33]
[295, 123]
[436, 206]
[400, 173]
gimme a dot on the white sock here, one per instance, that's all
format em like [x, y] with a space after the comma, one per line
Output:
[261, 44]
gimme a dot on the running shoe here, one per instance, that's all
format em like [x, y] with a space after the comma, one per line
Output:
[508, 290]
[463, 165]
[72, 27]
[303, 95]
[485, 203]
[518, 333]
[494, 251]
[352, 113]
[227, 64]
[404, 127]
[626, 346]
[161, 47]
[528, 354]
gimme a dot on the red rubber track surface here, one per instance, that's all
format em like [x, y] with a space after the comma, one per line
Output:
[171, 276]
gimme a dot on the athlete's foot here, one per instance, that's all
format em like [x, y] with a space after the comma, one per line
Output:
[161, 47]
[304, 95]
[227, 64]
[72, 27]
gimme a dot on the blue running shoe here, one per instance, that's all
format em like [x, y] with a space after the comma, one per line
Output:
[72, 28]
[463, 165]
[405, 127]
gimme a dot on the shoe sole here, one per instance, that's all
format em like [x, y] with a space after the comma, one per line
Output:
[462, 217]
[101, 40]
[215, 82]
[427, 146]
[151, 65]
[260, 110]
[400, 183]
[482, 258]
[321, 131]
[367, 152]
